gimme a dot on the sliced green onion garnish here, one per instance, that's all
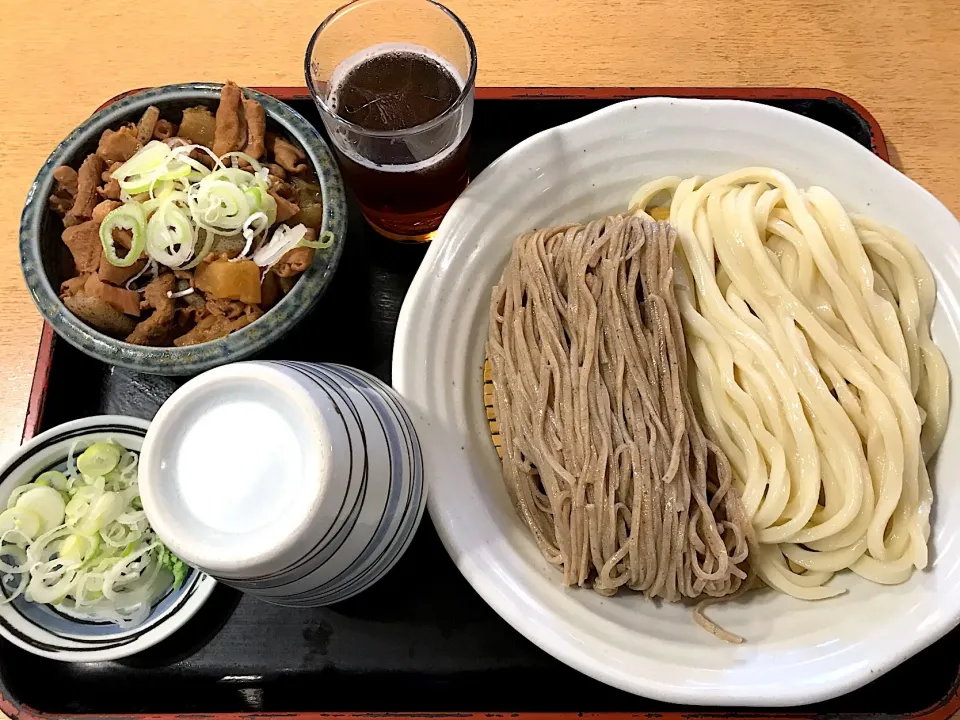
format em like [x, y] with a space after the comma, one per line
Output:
[182, 153]
[22, 519]
[284, 238]
[269, 207]
[94, 554]
[254, 226]
[198, 257]
[326, 240]
[187, 198]
[255, 197]
[16, 493]
[54, 479]
[218, 205]
[126, 217]
[169, 193]
[150, 165]
[104, 511]
[254, 163]
[46, 503]
[99, 459]
[79, 547]
[170, 235]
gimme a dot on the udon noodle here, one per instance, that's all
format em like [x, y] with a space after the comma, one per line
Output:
[603, 454]
[813, 369]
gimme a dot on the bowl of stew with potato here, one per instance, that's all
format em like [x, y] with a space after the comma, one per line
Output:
[183, 227]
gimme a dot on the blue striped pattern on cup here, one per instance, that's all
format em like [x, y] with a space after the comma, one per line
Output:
[383, 501]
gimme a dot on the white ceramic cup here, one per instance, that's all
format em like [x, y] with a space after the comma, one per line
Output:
[300, 483]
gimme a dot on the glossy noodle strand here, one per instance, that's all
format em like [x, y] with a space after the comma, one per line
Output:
[813, 370]
[603, 455]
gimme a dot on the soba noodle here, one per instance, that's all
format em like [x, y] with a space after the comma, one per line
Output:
[813, 369]
[603, 455]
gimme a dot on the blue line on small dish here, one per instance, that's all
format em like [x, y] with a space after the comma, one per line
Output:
[80, 629]
[45, 631]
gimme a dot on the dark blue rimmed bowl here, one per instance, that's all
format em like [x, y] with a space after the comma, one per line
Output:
[46, 262]
[47, 631]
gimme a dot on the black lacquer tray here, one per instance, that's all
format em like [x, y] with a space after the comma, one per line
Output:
[420, 643]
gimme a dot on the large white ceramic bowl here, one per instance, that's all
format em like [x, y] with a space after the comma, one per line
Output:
[795, 652]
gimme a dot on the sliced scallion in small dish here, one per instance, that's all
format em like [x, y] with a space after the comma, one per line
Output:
[79, 540]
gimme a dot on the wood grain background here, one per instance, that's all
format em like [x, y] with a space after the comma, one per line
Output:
[59, 60]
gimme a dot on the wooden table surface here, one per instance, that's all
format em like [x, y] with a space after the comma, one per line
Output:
[61, 59]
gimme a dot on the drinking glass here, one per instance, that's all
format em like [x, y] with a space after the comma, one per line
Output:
[402, 151]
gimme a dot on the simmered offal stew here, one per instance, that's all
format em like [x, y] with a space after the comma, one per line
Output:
[183, 232]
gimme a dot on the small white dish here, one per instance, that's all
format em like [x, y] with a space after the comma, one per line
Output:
[42, 629]
[795, 652]
[299, 483]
